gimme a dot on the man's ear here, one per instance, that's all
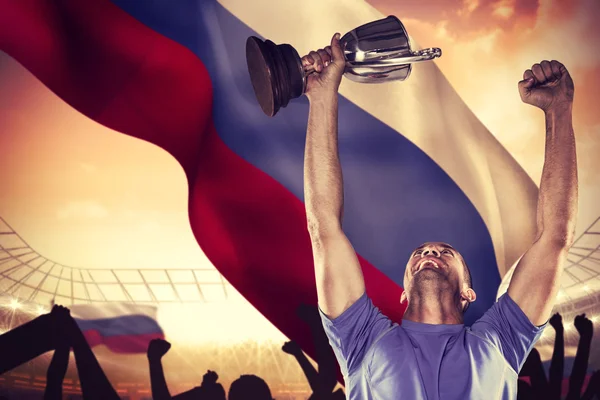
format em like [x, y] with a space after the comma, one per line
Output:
[468, 295]
[403, 297]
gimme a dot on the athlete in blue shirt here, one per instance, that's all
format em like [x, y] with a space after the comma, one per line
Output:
[432, 355]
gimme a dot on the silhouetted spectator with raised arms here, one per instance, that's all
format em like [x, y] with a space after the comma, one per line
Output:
[55, 331]
[552, 389]
[324, 381]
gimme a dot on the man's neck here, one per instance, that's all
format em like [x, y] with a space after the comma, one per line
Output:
[434, 310]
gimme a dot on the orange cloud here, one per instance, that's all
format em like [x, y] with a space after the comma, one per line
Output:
[466, 17]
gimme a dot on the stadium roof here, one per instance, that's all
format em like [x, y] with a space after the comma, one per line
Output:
[583, 269]
[28, 275]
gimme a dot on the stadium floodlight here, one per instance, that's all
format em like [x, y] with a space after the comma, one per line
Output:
[14, 304]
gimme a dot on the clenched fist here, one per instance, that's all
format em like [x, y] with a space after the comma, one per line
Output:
[556, 322]
[547, 85]
[157, 348]
[292, 348]
[584, 326]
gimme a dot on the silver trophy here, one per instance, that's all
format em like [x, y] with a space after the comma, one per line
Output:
[375, 52]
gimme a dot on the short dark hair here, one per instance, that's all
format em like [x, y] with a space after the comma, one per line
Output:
[468, 280]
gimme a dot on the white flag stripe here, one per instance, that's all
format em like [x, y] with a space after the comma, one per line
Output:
[111, 310]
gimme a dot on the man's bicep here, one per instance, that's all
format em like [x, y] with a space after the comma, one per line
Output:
[536, 280]
[338, 273]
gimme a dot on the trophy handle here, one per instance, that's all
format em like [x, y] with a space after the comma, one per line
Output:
[422, 55]
[394, 59]
[404, 57]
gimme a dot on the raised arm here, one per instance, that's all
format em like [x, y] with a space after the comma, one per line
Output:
[338, 274]
[94, 383]
[57, 370]
[558, 359]
[312, 376]
[156, 350]
[585, 327]
[536, 279]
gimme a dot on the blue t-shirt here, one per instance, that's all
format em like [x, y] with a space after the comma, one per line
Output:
[386, 361]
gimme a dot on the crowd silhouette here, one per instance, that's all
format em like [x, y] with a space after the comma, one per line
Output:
[540, 387]
[321, 381]
[58, 331]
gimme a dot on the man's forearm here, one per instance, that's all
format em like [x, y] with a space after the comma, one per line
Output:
[557, 204]
[323, 192]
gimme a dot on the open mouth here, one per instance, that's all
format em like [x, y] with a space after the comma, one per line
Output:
[427, 264]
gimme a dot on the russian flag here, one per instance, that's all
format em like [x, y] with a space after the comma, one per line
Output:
[418, 165]
[122, 327]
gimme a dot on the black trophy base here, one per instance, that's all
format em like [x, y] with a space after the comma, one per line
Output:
[276, 73]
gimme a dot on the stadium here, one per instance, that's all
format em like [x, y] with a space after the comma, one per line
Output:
[195, 309]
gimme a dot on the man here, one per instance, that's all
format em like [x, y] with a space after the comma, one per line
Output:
[432, 355]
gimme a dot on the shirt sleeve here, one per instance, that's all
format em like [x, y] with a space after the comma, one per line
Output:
[352, 333]
[509, 329]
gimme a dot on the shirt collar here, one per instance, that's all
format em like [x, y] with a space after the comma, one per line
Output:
[431, 328]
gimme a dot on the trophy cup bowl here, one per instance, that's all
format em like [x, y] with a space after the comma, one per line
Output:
[375, 52]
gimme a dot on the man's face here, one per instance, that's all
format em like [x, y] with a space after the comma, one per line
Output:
[434, 264]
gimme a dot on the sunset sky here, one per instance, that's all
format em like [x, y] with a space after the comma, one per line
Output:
[86, 196]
